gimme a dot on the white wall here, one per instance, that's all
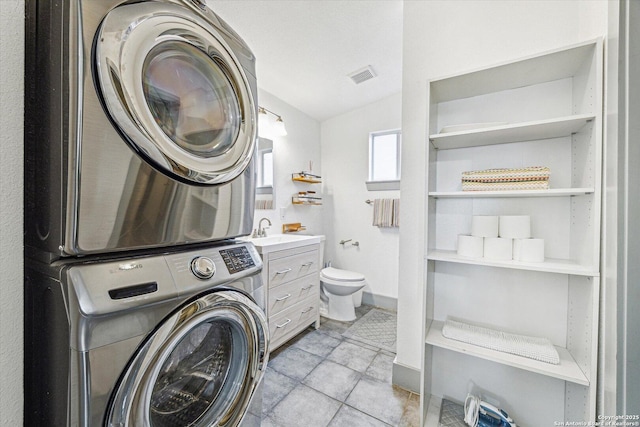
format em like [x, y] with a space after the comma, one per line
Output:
[11, 185]
[292, 153]
[345, 154]
[442, 38]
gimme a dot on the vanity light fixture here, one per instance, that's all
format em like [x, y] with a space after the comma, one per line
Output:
[268, 127]
[263, 119]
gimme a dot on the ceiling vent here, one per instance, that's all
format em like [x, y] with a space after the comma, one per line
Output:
[362, 75]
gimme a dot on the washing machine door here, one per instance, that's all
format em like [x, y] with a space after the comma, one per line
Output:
[200, 367]
[176, 91]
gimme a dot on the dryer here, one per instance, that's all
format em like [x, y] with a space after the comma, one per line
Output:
[140, 127]
[172, 339]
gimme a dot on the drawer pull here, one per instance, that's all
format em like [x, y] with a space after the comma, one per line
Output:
[306, 288]
[285, 271]
[284, 324]
[283, 298]
[307, 264]
[307, 310]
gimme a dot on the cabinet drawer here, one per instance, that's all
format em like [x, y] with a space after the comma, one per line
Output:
[289, 322]
[288, 294]
[286, 269]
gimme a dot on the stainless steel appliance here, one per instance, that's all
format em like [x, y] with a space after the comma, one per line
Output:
[140, 127]
[173, 339]
[140, 135]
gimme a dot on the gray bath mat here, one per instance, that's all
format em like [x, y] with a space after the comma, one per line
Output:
[451, 414]
[376, 328]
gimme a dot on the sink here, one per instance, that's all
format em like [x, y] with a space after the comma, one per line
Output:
[278, 242]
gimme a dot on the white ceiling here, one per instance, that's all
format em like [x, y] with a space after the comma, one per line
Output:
[305, 49]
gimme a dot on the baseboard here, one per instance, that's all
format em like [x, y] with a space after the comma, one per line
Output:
[388, 303]
[406, 377]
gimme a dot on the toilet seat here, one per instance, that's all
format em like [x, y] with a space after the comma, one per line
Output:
[339, 275]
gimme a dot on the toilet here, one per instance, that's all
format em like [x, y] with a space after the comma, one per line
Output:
[337, 293]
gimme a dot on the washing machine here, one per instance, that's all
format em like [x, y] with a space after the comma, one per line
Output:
[171, 339]
[140, 127]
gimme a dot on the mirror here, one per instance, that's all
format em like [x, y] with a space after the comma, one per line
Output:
[265, 193]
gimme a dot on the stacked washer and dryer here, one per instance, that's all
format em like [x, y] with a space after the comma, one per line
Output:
[141, 308]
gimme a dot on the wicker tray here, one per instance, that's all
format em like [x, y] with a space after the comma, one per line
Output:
[531, 173]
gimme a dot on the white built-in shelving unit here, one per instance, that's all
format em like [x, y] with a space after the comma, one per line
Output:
[548, 112]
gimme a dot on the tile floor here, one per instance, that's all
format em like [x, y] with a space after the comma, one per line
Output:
[321, 378]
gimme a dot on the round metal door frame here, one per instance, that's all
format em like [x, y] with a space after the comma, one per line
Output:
[123, 40]
[130, 401]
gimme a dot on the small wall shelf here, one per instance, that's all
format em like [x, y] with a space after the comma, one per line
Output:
[306, 200]
[305, 177]
[304, 197]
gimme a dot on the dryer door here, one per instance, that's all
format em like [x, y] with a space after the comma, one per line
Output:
[176, 91]
[200, 367]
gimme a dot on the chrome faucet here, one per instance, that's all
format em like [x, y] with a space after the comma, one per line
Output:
[262, 232]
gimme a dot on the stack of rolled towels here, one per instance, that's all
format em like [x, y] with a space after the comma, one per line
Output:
[505, 237]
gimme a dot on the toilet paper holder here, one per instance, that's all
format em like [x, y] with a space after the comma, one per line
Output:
[344, 242]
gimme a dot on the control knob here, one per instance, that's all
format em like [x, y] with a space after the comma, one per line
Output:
[203, 268]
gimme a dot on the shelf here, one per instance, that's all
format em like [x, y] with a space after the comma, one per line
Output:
[555, 65]
[306, 201]
[519, 132]
[567, 370]
[549, 265]
[556, 192]
[307, 178]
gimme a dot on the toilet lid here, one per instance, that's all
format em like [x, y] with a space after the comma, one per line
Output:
[342, 275]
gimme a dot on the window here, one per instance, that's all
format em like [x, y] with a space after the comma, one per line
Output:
[265, 166]
[384, 160]
[266, 169]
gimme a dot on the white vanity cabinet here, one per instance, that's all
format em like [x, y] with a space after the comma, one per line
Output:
[293, 291]
[543, 110]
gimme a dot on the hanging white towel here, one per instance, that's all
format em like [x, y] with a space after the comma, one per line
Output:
[264, 204]
[386, 212]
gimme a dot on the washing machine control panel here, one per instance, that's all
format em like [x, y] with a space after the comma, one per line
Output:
[237, 259]
[203, 267]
